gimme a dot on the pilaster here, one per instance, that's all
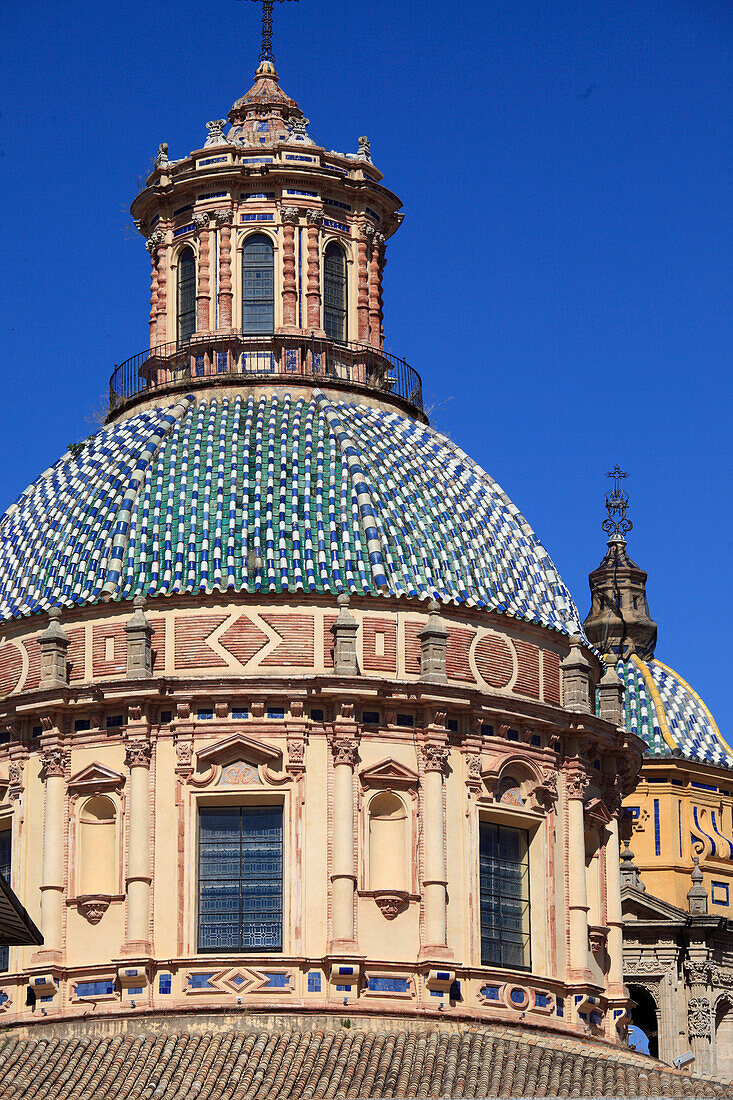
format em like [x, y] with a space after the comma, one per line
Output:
[224, 219]
[203, 285]
[313, 273]
[290, 217]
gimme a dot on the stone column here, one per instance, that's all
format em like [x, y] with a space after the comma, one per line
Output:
[203, 286]
[152, 243]
[138, 851]
[313, 273]
[435, 898]
[614, 919]
[374, 291]
[224, 220]
[363, 248]
[53, 767]
[161, 336]
[343, 878]
[576, 781]
[290, 217]
[380, 241]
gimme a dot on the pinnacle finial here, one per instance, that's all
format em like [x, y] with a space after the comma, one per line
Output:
[616, 525]
[266, 53]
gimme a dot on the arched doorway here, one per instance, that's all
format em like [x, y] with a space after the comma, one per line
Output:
[644, 1021]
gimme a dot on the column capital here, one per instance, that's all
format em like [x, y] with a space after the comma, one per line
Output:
[576, 781]
[201, 221]
[315, 218]
[366, 229]
[137, 754]
[434, 757]
[223, 217]
[291, 215]
[345, 751]
[54, 761]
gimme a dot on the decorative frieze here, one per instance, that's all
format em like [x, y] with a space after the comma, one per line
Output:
[698, 1018]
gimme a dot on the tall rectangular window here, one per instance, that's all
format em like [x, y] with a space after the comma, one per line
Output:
[504, 878]
[5, 860]
[240, 878]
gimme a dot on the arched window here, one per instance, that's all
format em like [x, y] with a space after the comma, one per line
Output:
[98, 847]
[258, 285]
[387, 843]
[334, 292]
[643, 1032]
[186, 294]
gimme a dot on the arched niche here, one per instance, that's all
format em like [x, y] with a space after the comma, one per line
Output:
[593, 849]
[644, 1018]
[98, 848]
[388, 843]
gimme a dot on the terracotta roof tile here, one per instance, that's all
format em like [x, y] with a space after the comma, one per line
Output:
[286, 1063]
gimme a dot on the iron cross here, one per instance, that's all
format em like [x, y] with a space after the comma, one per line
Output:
[266, 54]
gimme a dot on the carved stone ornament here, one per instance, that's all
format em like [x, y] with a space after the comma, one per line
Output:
[183, 711]
[53, 763]
[201, 221]
[697, 973]
[597, 938]
[184, 753]
[315, 217]
[345, 751]
[224, 217]
[161, 157]
[473, 762]
[296, 751]
[154, 241]
[15, 780]
[576, 783]
[721, 977]
[137, 754]
[698, 1018]
[435, 758]
[364, 149]
[290, 214]
[216, 132]
[298, 124]
[93, 906]
[367, 230]
[390, 902]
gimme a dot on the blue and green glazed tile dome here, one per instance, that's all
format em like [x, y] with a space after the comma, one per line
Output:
[274, 493]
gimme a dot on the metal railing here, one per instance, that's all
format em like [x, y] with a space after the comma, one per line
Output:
[269, 357]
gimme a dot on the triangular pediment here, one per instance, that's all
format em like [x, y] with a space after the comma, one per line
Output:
[388, 773]
[637, 907]
[238, 747]
[96, 777]
[598, 812]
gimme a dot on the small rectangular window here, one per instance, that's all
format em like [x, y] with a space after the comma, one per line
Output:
[404, 720]
[82, 724]
[275, 712]
[114, 721]
[487, 729]
[370, 717]
[166, 716]
[165, 983]
[240, 712]
[204, 715]
[451, 724]
[504, 881]
[314, 982]
[316, 714]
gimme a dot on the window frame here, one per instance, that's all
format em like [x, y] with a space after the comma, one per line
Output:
[230, 798]
[334, 243]
[186, 247]
[524, 862]
[247, 239]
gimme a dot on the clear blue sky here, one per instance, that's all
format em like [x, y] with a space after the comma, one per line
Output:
[562, 280]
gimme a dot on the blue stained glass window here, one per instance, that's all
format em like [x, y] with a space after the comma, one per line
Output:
[94, 989]
[275, 712]
[504, 876]
[204, 715]
[136, 992]
[5, 861]
[165, 983]
[201, 981]
[238, 712]
[389, 985]
[314, 982]
[277, 981]
[258, 284]
[240, 878]
[343, 989]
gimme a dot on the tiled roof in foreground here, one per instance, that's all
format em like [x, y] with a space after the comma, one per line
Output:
[662, 709]
[274, 494]
[288, 1063]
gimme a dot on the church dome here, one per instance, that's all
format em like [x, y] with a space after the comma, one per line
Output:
[273, 493]
[668, 715]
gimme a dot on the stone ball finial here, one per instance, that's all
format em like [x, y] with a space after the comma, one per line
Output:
[139, 601]
[54, 614]
[433, 607]
[343, 599]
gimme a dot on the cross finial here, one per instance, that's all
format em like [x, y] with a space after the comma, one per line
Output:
[266, 53]
[616, 525]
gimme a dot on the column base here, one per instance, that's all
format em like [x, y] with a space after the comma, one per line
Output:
[344, 950]
[49, 956]
[434, 952]
[136, 949]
